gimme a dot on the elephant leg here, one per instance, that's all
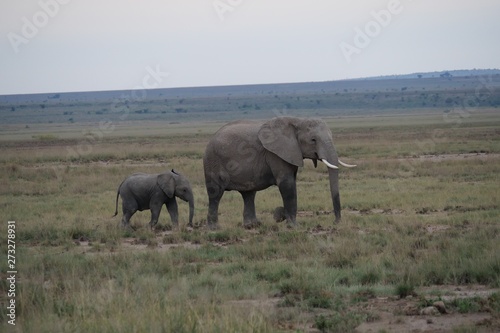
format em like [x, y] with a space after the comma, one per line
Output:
[155, 214]
[127, 214]
[129, 207]
[288, 190]
[216, 183]
[213, 211]
[249, 218]
[279, 214]
[173, 211]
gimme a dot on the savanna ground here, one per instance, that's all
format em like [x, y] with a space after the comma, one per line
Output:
[420, 224]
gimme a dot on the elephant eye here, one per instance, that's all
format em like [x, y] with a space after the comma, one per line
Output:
[313, 140]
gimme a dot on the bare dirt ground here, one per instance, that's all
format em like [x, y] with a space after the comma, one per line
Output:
[391, 314]
[456, 157]
[404, 315]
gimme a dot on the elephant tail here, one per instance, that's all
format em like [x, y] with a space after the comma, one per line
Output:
[117, 195]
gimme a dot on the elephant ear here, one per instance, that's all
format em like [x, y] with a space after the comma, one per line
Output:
[279, 136]
[166, 182]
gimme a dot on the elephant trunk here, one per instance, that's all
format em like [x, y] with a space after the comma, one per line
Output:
[334, 191]
[329, 156]
[191, 211]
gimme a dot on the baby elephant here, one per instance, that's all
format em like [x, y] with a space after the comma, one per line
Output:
[142, 191]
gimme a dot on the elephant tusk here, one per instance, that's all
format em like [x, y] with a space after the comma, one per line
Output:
[347, 165]
[331, 166]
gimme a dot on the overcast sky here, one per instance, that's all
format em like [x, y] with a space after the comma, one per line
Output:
[81, 45]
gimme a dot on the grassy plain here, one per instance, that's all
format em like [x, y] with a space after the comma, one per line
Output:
[421, 210]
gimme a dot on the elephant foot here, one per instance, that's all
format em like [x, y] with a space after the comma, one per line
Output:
[127, 230]
[152, 225]
[213, 226]
[279, 214]
[212, 219]
[251, 224]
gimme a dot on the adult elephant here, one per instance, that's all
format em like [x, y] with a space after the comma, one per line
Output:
[249, 156]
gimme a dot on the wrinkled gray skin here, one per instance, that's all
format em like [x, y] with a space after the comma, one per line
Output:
[142, 191]
[249, 156]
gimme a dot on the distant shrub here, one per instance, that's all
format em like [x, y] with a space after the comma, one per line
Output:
[45, 137]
